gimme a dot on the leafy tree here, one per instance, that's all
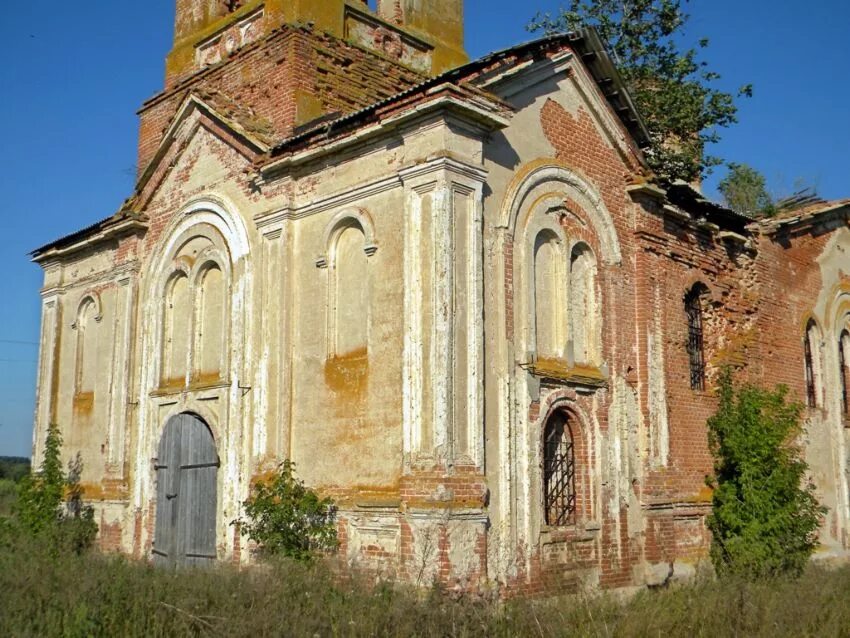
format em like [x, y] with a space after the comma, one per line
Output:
[286, 518]
[14, 468]
[50, 505]
[744, 190]
[765, 518]
[673, 89]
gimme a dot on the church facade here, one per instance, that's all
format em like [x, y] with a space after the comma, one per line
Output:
[450, 291]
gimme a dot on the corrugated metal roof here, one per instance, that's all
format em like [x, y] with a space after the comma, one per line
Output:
[589, 47]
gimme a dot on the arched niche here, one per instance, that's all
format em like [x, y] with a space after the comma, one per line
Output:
[89, 315]
[548, 295]
[547, 185]
[193, 280]
[585, 328]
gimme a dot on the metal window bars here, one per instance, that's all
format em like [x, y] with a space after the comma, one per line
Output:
[811, 395]
[559, 473]
[843, 342]
[693, 310]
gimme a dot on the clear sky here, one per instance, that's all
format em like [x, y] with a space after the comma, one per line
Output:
[74, 74]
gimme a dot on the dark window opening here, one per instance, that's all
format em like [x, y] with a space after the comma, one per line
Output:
[693, 310]
[811, 390]
[559, 472]
[843, 342]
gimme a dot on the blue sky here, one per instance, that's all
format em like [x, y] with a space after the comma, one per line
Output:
[74, 74]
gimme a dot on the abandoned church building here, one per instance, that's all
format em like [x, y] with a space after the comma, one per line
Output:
[450, 291]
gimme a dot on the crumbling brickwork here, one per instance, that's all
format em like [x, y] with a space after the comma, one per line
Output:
[402, 279]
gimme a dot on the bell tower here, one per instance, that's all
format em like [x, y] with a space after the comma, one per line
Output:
[424, 34]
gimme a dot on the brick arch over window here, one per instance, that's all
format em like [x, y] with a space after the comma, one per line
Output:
[566, 485]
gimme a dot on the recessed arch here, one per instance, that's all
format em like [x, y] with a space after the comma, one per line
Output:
[203, 237]
[90, 297]
[520, 197]
[547, 298]
[583, 306]
[813, 362]
[347, 218]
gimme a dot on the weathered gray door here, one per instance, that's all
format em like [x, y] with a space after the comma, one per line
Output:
[186, 469]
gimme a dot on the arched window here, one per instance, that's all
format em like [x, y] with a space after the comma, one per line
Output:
[811, 354]
[349, 305]
[582, 308]
[210, 326]
[695, 345]
[178, 317]
[549, 287]
[559, 471]
[843, 360]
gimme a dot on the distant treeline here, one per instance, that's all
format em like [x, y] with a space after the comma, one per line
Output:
[14, 467]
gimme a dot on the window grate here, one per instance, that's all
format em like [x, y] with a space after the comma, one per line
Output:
[693, 310]
[559, 473]
[842, 370]
[811, 395]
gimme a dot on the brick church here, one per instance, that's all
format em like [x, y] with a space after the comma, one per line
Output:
[451, 292]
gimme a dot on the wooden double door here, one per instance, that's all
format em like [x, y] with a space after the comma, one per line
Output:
[186, 499]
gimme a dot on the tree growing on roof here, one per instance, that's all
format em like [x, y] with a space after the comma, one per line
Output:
[744, 190]
[672, 88]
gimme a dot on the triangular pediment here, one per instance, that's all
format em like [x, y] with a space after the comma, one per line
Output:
[247, 134]
[565, 79]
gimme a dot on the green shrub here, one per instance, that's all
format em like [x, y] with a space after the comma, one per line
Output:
[50, 505]
[765, 517]
[286, 518]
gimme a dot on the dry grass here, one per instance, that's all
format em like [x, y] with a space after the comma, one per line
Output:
[96, 595]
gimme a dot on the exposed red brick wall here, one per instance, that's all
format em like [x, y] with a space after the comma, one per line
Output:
[271, 77]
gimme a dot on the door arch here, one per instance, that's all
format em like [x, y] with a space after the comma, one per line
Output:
[186, 493]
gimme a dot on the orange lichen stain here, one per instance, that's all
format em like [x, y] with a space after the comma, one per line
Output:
[172, 383]
[364, 495]
[83, 403]
[108, 490]
[347, 375]
[704, 495]
[205, 378]
[734, 353]
[558, 368]
[263, 477]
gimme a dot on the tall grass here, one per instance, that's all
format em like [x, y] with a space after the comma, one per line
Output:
[96, 595]
[8, 496]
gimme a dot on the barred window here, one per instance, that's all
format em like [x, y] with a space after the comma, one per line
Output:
[808, 353]
[559, 472]
[696, 357]
[843, 346]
